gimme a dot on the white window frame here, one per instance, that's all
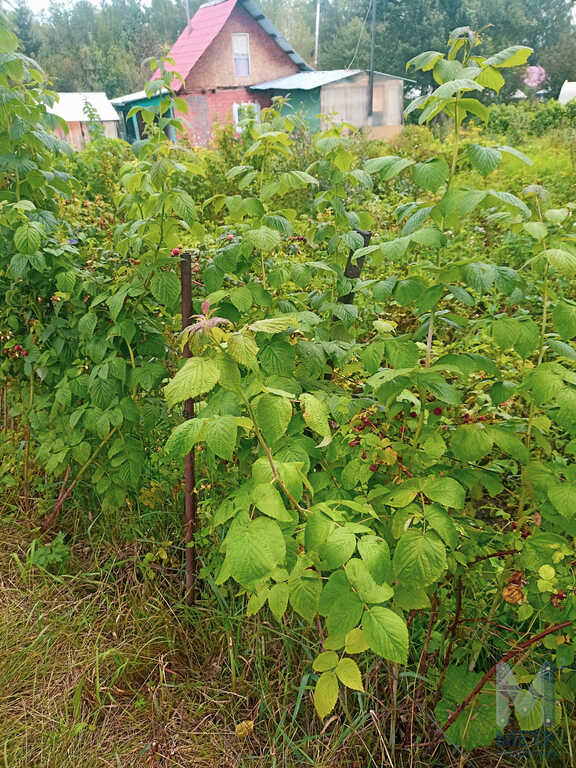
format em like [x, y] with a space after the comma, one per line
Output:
[241, 36]
[236, 108]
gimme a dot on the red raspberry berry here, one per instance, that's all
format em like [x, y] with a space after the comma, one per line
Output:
[413, 415]
[363, 454]
[175, 252]
[24, 352]
[373, 467]
[17, 348]
[437, 411]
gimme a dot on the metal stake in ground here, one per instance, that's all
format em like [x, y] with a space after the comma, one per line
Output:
[191, 496]
[353, 269]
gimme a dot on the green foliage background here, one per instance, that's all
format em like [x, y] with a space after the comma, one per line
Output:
[86, 46]
[385, 426]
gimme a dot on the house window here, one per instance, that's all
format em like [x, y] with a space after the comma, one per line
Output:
[241, 51]
[248, 111]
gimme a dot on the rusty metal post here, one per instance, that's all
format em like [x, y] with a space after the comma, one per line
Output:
[190, 493]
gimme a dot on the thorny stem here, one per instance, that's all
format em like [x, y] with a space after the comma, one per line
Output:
[27, 448]
[452, 633]
[263, 268]
[456, 139]
[507, 656]
[161, 235]
[429, 338]
[421, 670]
[53, 516]
[532, 411]
[133, 364]
[269, 456]
[232, 661]
[392, 736]
[544, 315]
[420, 424]
[486, 628]
[502, 553]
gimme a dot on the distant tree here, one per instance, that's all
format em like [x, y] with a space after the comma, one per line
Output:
[295, 19]
[348, 47]
[408, 28]
[559, 61]
[23, 25]
[85, 46]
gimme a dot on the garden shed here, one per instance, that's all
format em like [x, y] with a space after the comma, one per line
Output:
[76, 108]
[134, 125]
[341, 95]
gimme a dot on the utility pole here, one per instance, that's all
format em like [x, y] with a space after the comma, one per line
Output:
[186, 3]
[371, 73]
[317, 34]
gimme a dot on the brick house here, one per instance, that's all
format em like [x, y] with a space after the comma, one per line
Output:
[230, 55]
[228, 46]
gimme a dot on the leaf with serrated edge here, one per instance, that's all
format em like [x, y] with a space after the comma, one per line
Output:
[356, 641]
[272, 414]
[278, 600]
[325, 661]
[198, 376]
[326, 694]
[315, 414]
[348, 673]
[386, 633]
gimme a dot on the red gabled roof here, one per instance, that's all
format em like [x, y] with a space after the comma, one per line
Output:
[196, 38]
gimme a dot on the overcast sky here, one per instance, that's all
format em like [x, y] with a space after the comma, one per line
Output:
[37, 6]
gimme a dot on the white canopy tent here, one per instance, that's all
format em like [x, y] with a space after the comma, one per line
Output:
[567, 92]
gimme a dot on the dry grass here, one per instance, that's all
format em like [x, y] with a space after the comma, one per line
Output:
[104, 673]
[105, 669]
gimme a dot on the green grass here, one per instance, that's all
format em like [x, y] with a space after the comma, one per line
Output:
[101, 667]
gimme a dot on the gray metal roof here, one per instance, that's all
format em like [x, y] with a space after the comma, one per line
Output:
[271, 30]
[306, 81]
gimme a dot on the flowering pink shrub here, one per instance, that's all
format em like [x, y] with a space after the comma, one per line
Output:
[535, 76]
